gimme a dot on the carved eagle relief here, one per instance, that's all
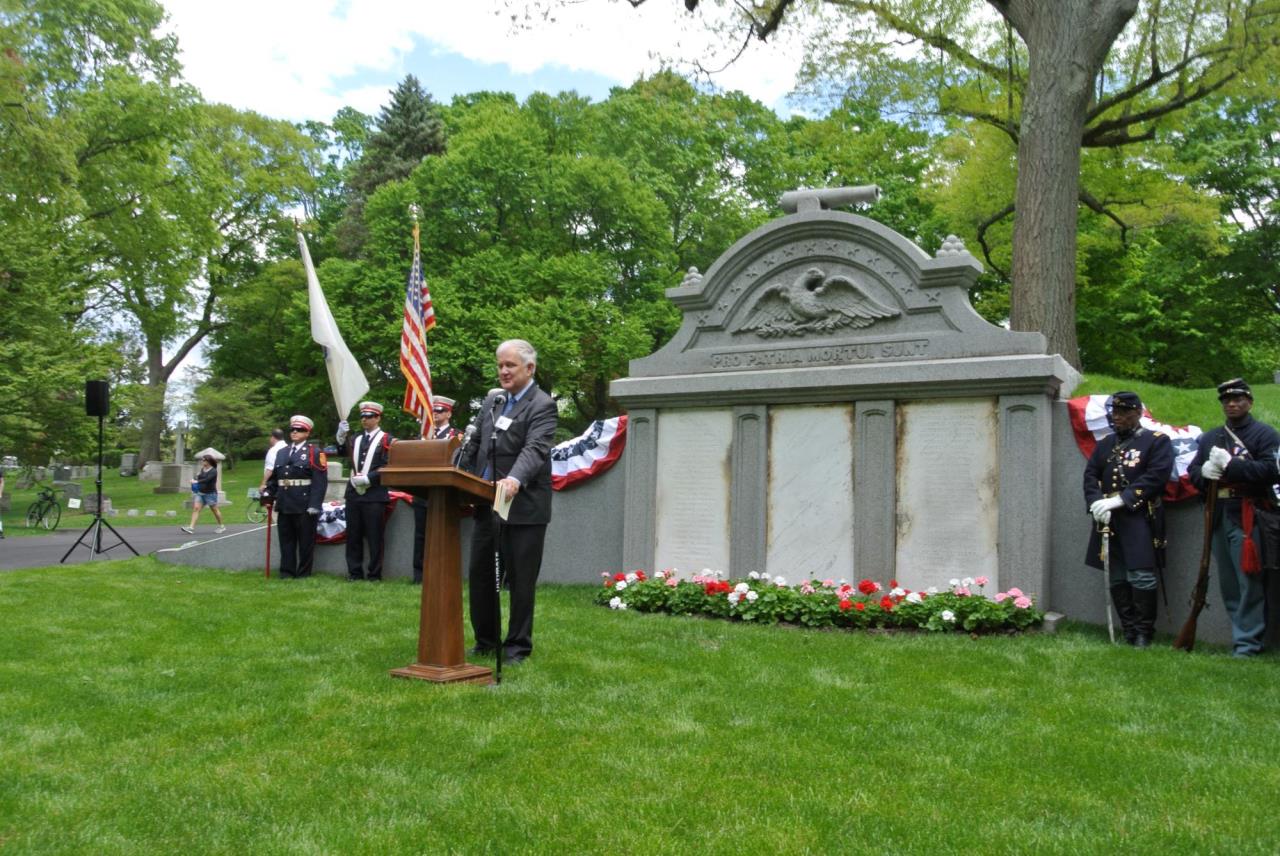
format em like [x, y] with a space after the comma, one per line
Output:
[813, 302]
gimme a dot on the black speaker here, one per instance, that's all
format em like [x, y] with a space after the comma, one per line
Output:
[97, 398]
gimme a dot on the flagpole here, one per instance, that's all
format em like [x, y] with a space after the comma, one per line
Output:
[427, 419]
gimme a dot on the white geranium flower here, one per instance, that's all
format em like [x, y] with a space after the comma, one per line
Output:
[755, 575]
[780, 581]
[933, 589]
[733, 597]
[953, 583]
[631, 578]
[914, 597]
[619, 585]
[751, 596]
[897, 592]
[966, 582]
[615, 603]
[948, 615]
[742, 588]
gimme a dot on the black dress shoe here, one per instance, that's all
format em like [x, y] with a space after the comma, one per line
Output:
[352, 578]
[479, 651]
[515, 659]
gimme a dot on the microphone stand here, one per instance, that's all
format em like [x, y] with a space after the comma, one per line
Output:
[497, 538]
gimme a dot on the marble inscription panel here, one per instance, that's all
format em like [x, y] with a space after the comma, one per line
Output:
[810, 493]
[948, 496]
[694, 463]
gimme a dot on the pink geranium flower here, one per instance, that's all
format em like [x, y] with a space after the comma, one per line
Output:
[982, 581]
[1015, 592]
[1001, 597]
[1023, 602]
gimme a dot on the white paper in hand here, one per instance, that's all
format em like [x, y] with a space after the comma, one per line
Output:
[502, 501]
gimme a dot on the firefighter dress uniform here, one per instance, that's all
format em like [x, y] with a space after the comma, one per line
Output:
[296, 486]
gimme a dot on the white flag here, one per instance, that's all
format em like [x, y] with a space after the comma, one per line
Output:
[345, 378]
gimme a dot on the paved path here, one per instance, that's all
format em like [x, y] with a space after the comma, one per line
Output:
[40, 551]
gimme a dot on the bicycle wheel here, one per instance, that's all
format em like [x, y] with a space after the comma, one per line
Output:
[34, 513]
[52, 514]
[254, 512]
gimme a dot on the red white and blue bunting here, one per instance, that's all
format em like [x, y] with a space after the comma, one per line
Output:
[585, 457]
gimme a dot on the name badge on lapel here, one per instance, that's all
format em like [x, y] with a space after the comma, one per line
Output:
[503, 423]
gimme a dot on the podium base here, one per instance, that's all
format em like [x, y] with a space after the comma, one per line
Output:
[464, 674]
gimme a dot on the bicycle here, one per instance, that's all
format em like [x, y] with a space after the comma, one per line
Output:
[256, 511]
[45, 511]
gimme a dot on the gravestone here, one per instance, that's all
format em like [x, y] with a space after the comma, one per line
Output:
[91, 504]
[337, 485]
[173, 479]
[128, 464]
[832, 406]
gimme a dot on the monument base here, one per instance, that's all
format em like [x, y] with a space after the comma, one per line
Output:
[464, 674]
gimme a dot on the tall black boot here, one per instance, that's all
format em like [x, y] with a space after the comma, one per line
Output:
[1144, 602]
[1122, 597]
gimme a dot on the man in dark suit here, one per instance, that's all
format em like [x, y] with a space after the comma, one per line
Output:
[296, 486]
[366, 499]
[517, 427]
[1123, 486]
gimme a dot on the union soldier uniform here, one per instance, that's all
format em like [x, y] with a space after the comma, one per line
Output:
[1238, 461]
[296, 485]
[1123, 486]
[366, 498]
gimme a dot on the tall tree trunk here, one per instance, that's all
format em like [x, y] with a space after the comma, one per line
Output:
[1067, 41]
[153, 404]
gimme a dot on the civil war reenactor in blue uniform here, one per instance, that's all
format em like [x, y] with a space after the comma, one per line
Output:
[366, 499]
[1239, 461]
[1124, 485]
[296, 486]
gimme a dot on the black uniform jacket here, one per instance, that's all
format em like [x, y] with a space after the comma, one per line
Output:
[1137, 472]
[299, 479]
[1249, 474]
[381, 452]
[523, 452]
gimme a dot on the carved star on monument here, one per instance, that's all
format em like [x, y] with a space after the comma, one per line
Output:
[933, 296]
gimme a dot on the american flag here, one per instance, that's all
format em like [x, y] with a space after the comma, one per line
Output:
[419, 317]
[1089, 424]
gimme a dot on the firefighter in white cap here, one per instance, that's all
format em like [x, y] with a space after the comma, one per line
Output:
[366, 499]
[296, 486]
[441, 414]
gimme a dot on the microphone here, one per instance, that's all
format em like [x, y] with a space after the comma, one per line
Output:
[499, 400]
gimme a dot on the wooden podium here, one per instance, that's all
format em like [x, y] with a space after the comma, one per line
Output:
[424, 468]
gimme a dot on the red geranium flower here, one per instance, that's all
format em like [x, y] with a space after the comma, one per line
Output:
[886, 603]
[619, 576]
[866, 587]
[846, 605]
[860, 606]
[640, 576]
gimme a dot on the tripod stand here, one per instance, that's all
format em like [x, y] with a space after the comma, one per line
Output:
[95, 526]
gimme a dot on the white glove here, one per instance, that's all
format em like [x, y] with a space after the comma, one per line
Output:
[343, 430]
[1211, 471]
[1104, 518]
[360, 483]
[1105, 506]
[1220, 457]
[314, 512]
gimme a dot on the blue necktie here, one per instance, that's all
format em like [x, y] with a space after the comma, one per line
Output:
[506, 408]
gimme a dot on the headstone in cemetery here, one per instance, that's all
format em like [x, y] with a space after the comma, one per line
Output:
[833, 406]
[129, 464]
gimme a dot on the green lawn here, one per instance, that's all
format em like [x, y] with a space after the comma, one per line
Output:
[147, 708]
[130, 492]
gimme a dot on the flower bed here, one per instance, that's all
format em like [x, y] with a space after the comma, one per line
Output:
[823, 603]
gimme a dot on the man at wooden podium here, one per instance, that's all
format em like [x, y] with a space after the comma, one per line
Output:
[516, 429]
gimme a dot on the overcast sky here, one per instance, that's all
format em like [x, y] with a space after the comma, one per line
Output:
[298, 60]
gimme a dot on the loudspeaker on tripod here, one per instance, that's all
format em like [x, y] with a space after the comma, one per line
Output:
[97, 398]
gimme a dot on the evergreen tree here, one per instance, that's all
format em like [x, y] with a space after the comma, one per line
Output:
[409, 129]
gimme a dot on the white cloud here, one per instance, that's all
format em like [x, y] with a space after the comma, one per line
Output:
[304, 60]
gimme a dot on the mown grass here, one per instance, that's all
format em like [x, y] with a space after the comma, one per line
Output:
[1175, 406]
[127, 492]
[147, 708]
